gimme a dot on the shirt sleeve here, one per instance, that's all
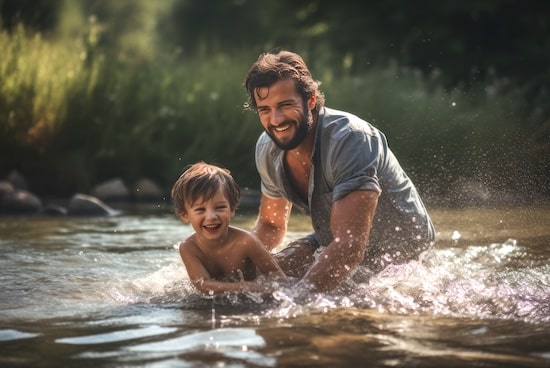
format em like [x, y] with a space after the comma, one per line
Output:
[266, 166]
[354, 158]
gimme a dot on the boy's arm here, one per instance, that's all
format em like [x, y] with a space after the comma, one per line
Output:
[263, 259]
[215, 287]
[200, 278]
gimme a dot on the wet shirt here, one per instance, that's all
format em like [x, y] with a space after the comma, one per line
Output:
[350, 154]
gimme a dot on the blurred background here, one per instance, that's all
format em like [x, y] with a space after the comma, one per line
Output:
[96, 89]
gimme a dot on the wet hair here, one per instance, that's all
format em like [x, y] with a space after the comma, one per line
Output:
[203, 181]
[271, 68]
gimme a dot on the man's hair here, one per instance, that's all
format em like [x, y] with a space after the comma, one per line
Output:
[271, 68]
[203, 181]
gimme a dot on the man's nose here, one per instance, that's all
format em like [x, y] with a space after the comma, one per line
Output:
[276, 117]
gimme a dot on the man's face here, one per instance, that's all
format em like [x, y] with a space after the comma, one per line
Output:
[283, 113]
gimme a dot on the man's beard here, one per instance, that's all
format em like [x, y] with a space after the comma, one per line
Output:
[302, 128]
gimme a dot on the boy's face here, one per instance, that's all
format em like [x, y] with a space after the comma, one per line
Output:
[210, 219]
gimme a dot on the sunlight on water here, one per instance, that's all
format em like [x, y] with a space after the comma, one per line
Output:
[114, 292]
[116, 336]
[473, 281]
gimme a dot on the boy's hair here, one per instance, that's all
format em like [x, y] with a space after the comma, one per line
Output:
[271, 68]
[202, 181]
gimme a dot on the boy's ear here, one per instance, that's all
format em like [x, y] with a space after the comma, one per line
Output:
[184, 217]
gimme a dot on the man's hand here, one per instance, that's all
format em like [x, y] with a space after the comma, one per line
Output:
[350, 220]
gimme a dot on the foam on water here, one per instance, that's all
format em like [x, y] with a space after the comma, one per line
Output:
[480, 281]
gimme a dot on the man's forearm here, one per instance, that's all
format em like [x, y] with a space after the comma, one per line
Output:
[271, 236]
[333, 266]
[351, 219]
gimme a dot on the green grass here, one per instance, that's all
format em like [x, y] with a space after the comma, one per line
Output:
[74, 113]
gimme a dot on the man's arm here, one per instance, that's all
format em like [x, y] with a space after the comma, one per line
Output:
[350, 221]
[272, 221]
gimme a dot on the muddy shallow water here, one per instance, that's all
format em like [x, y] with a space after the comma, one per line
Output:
[113, 292]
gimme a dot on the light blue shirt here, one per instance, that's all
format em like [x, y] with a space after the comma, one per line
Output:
[350, 154]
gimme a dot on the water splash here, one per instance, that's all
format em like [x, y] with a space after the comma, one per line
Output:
[479, 281]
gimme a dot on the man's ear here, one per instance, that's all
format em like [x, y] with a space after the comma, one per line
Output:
[311, 102]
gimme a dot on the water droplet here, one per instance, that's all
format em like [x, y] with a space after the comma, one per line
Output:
[455, 235]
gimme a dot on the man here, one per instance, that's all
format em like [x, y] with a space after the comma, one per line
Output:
[335, 167]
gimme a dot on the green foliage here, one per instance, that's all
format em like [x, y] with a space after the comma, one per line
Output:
[74, 115]
[132, 89]
[442, 136]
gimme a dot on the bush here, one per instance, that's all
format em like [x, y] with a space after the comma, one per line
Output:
[74, 113]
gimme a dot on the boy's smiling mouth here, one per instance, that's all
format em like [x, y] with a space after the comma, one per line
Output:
[212, 227]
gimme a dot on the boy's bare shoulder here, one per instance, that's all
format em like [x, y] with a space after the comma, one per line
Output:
[188, 245]
[243, 236]
[241, 233]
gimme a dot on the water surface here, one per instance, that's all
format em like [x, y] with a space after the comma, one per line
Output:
[113, 292]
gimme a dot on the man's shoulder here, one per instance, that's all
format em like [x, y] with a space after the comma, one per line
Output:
[266, 150]
[338, 122]
[330, 114]
[264, 141]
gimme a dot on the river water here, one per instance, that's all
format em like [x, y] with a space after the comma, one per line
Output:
[112, 292]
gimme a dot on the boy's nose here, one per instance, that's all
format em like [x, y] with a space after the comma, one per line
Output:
[211, 214]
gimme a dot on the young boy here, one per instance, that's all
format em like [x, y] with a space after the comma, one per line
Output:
[218, 257]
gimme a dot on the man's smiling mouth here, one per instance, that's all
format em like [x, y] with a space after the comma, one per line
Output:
[282, 128]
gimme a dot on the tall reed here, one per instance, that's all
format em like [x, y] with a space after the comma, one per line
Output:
[74, 113]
